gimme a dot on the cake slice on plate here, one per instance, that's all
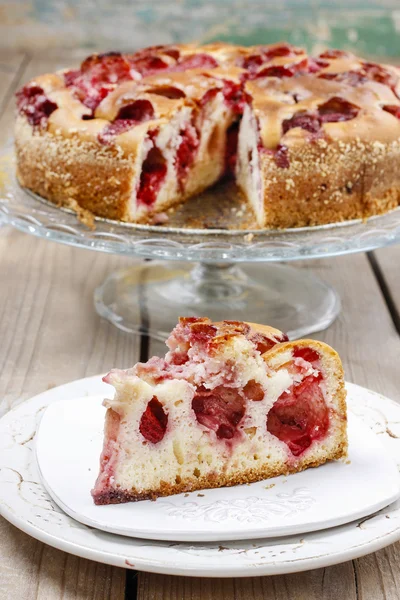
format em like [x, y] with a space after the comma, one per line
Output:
[230, 403]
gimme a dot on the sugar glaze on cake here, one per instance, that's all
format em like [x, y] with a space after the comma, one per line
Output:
[230, 403]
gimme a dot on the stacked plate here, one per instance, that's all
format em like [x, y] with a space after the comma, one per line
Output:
[49, 453]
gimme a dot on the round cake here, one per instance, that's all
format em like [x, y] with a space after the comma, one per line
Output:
[309, 140]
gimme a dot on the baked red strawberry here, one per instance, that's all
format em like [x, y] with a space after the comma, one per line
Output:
[300, 415]
[35, 105]
[153, 423]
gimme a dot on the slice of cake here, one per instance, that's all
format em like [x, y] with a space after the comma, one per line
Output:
[230, 403]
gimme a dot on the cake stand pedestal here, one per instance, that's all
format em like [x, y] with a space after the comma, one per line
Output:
[150, 297]
[208, 260]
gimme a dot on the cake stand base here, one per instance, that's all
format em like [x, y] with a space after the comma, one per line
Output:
[149, 297]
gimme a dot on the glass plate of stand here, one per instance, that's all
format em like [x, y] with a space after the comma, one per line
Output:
[149, 296]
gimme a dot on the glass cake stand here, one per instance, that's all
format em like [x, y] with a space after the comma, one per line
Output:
[235, 275]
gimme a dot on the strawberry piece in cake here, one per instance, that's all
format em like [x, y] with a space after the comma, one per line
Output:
[34, 104]
[230, 403]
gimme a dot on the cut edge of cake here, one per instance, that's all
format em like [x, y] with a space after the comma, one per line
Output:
[189, 445]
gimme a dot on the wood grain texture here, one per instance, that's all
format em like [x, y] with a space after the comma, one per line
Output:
[375, 577]
[31, 570]
[50, 334]
[364, 330]
[12, 64]
[378, 575]
[320, 584]
[388, 262]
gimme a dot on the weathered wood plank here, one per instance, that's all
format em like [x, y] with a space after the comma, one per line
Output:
[12, 64]
[364, 330]
[387, 266]
[33, 571]
[320, 584]
[375, 577]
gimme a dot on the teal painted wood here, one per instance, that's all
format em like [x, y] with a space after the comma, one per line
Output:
[366, 26]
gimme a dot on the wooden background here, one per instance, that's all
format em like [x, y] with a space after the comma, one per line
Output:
[371, 26]
[50, 334]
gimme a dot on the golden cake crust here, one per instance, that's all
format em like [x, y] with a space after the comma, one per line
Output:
[347, 170]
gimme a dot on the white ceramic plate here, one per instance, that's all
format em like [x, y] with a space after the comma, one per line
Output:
[68, 448]
[25, 503]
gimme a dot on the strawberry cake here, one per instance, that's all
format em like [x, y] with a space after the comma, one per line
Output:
[230, 403]
[309, 140]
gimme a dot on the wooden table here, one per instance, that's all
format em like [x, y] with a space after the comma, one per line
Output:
[50, 334]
